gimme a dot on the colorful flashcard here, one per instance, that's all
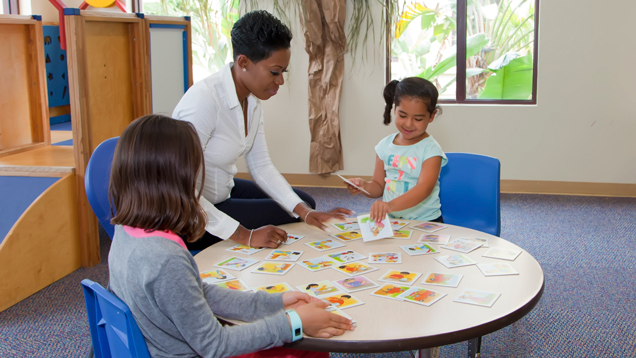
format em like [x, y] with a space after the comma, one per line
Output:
[215, 276]
[348, 235]
[352, 184]
[455, 260]
[284, 255]
[318, 288]
[324, 245]
[501, 253]
[347, 225]
[397, 224]
[477, 297]
[478, 240]
[275, 288]
[372, 230]
[236, 285]
[461, 245]
[353, 284]
[244, 249]
[346, 256]
[292, 239]
[400, 277]
[402, 234]
[421, 296]
[419, 249]
[434, 239]
[385, 258]
[343, 300]
[442, 279]
[354, 268]
[317, 264]
[236, 263]
[429, 227]
[497, 269]
[273, 268]
[390, 290]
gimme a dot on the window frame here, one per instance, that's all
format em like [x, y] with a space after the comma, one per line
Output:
[460, 89]
[11, 7]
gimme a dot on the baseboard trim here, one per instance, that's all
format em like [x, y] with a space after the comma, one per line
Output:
[507, 186]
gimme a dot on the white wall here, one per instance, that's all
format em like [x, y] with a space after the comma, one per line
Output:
[582, 129]
[50, 14]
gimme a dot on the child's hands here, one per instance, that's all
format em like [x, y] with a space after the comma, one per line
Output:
[378, 211]
[322, 324]
[294, 299]
[357, 181]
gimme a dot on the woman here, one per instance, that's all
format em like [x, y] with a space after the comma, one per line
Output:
[226, 111]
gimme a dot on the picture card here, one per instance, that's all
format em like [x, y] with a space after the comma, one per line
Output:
[455, 260]
[400, 277]
[324, 245]
[353, 284]
[215, 276]
[497, 269]
[385, 258]
[353, 185]
[275, 288]
[343, 300]
[318, 288]
[284, 255]
[419, 249]
[292, 239]
[372, 230]
[429, 227]
[397, 224]
[461, 245]
[402, 234]
[317, 264]
[354, 268]
[477, 297]
[236, 285]
[348, 235]
[236, 263]
[421, 296]
[442, 279]
[478, 240]
[347, 225]
[434, 239]
[390, 290]
[501, 253]
[273, 268]
[244, 249]
[346, 256]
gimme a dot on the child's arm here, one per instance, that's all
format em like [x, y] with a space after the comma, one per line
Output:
[425, 184]
[375, 187]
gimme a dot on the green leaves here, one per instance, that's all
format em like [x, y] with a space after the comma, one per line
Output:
[474, 44]
[511, 78]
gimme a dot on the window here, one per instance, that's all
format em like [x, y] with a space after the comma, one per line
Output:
[496, 37]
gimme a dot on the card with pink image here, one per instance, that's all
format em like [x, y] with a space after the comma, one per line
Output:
[429, 227]
[434, 239]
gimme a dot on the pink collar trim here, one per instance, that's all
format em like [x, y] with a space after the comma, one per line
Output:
[139, 233]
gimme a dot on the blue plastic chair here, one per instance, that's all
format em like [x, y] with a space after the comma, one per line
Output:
[114, 332]
[469, 192]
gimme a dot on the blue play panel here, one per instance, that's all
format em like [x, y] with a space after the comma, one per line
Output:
[17, 194]
[66, 142]
[64, 126]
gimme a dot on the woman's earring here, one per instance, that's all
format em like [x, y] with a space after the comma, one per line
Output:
[244, 70]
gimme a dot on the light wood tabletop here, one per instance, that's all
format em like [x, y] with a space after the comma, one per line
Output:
[386, 325]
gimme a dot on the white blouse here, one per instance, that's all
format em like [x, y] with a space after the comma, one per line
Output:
[212, 106]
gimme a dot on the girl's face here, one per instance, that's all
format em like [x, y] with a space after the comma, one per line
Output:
[411, 119]
[265, 77]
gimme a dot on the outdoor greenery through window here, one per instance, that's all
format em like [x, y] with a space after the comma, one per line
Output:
[500, 48]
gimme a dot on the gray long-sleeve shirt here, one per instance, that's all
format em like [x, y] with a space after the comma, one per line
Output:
[174, 309]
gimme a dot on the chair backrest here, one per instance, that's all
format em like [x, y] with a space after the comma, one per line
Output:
[114, 332]
[469, 192]
[96, 181]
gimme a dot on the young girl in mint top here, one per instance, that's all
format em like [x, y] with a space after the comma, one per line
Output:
[407, 163]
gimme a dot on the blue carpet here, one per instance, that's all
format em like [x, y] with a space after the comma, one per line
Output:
[17, 193]
[66, 142]
[64, 126]
[586, 246]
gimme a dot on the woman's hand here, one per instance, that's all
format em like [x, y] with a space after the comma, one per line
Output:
[294, 299]
[317, 218]
[378, 211]
[357, 181]
[268, 236]
[322, 324]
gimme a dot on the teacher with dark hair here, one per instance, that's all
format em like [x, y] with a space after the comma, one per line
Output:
[226, 111]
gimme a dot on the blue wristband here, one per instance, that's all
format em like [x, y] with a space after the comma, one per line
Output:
[296, 325]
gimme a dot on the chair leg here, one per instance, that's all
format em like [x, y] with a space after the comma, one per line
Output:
[428, 353]
[474, 347]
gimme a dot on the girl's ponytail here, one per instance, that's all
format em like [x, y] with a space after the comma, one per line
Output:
[389, 96]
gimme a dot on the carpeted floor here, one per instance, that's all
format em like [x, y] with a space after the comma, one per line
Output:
[585, 245]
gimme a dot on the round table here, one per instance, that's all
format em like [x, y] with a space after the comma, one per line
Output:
[385, 325]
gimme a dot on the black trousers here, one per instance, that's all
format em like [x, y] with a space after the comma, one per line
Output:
[252, 208]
